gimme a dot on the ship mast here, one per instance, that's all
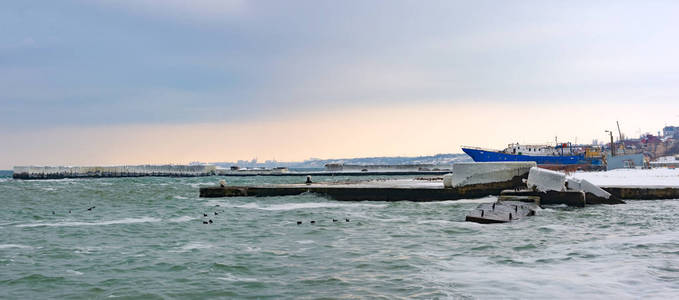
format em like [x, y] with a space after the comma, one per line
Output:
[612, 144]
[621, 140]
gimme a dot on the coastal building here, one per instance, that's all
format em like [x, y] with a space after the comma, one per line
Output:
[671, 131]
[626, 161]
[671, 162]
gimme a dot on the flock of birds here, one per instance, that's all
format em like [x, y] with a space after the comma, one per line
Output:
[69, 211]
[209, 221]
[314, 221]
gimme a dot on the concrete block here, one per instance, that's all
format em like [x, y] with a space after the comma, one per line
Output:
[546, 180]
[587, 187]
[501, 212]
[570, 198]
[448, 180]
[519, 198]
[485, 172]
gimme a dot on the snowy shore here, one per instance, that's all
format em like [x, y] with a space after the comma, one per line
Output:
[632, 177]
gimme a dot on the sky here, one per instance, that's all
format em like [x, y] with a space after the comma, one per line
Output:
[103, 82]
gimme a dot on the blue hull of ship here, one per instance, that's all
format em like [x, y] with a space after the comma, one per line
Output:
[487, 156]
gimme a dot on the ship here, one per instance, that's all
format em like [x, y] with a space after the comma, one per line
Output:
[544, 155]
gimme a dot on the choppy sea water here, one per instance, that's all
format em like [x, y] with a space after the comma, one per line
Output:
[145, 238]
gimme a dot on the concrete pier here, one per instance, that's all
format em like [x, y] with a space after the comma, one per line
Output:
[570, 198]
[33, 172]
[436, 192]
[643, 192]
[327, 173]
[367, 191]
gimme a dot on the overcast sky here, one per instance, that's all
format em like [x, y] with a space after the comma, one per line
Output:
[115, 82]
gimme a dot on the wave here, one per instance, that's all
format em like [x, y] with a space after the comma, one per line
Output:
[440, 222]
[231, 277]
[490, 199]
[191, 246]
[180, 219]
[8, 246]
[309, 205]
[74, 272]
[110, 222]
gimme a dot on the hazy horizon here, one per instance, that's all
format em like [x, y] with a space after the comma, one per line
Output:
[135, 82]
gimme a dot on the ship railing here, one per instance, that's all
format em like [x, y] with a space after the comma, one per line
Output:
[480, 148]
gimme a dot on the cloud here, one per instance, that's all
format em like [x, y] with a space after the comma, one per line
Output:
[371, 130]
[186, 10]
[184, 62]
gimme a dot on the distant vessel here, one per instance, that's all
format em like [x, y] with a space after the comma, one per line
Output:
[541, 154]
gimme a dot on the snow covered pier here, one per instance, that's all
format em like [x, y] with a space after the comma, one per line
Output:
[643, 192]
[636, 184]
[485, 179]
[33, 172]
[468, 181]
[395, 190]
[389, 190]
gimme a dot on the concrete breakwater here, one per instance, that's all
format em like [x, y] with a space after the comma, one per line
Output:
[36, 172]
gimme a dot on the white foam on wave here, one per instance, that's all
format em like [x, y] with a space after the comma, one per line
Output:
[307, 205]
[180, 197]
[490, 199]
[393, 220]
[196, 245]
[199, 184]
[192, 246]
[180, 219]
[467, 225]
[110, 222]
[441, 222]
[9, 246]
[231, 277]
[74, 272]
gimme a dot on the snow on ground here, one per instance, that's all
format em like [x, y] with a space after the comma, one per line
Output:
[391, 183]
[632, 177]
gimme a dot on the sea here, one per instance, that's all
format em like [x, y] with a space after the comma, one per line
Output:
[145, 238]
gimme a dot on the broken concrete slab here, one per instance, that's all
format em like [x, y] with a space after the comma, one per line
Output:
[576, 184]
[501, 212]
[593, 193]
[526, 199]
[546, 180]
[473, 173]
